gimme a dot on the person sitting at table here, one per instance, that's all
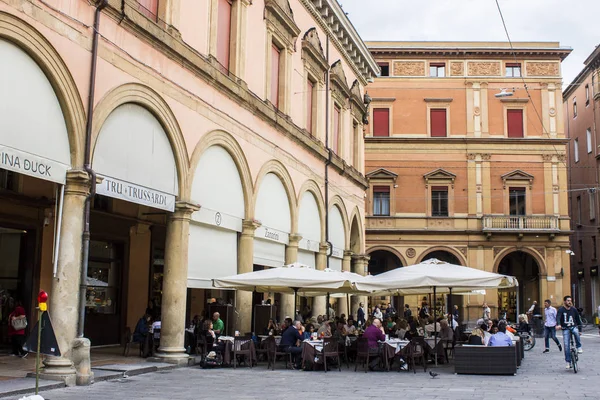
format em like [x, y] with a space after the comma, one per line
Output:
[218, 325]
[432, 327]
[142, 329]
[500, 338]
[374, 334]
[290, 342]
[309, 329]
[349, 327]
[324, 330]
[486, 334]
[446, 333]
[401, 328]
[211, 338]
[389, 325]
[523, 325]
[477, 337]
[272, 328]
[377, 313]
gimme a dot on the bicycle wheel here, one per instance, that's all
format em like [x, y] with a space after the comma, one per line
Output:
[574, 360]
[584, 322]
[528, 341]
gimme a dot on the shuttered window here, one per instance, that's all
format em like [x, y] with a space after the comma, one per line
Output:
[438, 122]
[310, 91]
[275, 60]
[439, 201]
[381, 122]
[149, 8]
[224, 33]
[514, 123]
[335, 137]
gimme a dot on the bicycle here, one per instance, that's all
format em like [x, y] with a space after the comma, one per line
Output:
[574, 354]
[528, 340]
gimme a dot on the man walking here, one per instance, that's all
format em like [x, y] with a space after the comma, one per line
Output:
[550, 326]
[568, 320]
[360, 315]
[408, 311]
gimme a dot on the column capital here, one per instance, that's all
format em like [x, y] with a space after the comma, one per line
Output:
[294, 239]
[323, 248]
[348, 254]
[249, 226]
[184, 210]
[77, 183]
[361, 257]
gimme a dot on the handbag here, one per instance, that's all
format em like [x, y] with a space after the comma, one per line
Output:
[19, 323]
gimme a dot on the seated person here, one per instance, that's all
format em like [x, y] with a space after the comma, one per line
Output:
[218, 324]
[308, 331]
[339, 334]
[501, 338]
[389, 325]
[374, 334]
[349, 327]
[477, 337]
[211, 338]
[324, 330]
[486, 335]
[446, 333]
[401, 329]
[141, 329]
[271, 328]
[290, 342]
[523, 324]
[430, 328]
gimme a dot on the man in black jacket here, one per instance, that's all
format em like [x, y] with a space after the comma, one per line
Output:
[568, 320]
[290, 342]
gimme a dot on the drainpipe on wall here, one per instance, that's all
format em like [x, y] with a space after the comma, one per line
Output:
[327, 162]
[85, 247]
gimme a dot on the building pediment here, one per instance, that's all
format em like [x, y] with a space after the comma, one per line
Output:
[280, 18]
[382, 174]
[439, 174]
[312, 53]
[356, 101]
[339, 81]
[517, 175]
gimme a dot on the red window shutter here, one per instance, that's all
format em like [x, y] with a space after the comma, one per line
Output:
[309, 105]
[438, 122]
[381, 189]
[275, 58]
[335, 139]
[439, 188]
[514, 123]
[149, 8]
[224, 32]
[381, 122]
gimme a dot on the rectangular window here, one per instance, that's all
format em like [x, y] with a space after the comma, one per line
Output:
[439, 201]
[8, 180]
[438, 122]
[576, 150]
[149, 8]
[381, 200]
[224, 33]
[516, 201]
[594, 251]
[592, 205]
[275, 61]
[513, 70]
[335, 137]
[381, 122]
[578, 210]
[574, 108]
[587, 95]
[310, 93]
[514, 123]
[385, 69]
[437, 70]
[589, 140]
[356, 144]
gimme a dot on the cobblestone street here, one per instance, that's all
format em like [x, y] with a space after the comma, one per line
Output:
[542, 376]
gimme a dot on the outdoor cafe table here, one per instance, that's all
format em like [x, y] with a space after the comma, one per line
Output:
[309, 351]
[228, 352]
[390, 348]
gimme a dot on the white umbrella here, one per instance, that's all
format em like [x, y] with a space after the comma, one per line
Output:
[291, 278]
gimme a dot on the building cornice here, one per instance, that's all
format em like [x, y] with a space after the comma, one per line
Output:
[469, 140]
[347, 40]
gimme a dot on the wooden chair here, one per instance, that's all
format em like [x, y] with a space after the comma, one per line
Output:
[415, 350]
[268, 350]
[362, 353]
[242, 347]
[330, 349]
[201, 346]
[273, 350]
[128, 340]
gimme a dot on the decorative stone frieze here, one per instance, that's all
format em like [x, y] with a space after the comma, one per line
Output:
[480, 68]
[542, 69]
[457, 68]
[409, 68]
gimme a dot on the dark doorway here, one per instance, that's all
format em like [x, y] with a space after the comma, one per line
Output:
[525, 268]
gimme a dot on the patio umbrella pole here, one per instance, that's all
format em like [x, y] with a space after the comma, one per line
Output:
[327, 307]
[434, 326]
[295, 301]
[450, 310]
[348, 305]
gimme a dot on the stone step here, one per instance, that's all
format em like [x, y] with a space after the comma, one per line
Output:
[13, 387]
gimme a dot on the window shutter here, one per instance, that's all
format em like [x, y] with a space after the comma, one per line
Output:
[309, 105]
[381, 122]
[438, 122]
[381, 189]
[223, 32]
[275, 56]
[335, 138]
[149, 8]
[514, 123]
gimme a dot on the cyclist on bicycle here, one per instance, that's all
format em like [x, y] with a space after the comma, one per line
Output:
[568, 320]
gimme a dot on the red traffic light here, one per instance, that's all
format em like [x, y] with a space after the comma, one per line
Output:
[42, 297]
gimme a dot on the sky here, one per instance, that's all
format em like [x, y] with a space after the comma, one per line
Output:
[570, 22]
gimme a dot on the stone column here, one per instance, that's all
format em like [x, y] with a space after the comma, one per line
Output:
[245, 264]
[291, 256]
[64, 297]
[169, 12]
[319, 301]
[359, 261]
[343, 301]
[175, 285]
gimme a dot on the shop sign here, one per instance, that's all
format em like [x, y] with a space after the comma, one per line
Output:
[266, 233]
[216, 218]
[137, 194]
[310, 245]
[31, 165]
[337, 253]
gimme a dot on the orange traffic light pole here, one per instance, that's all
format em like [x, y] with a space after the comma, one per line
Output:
[42, 306]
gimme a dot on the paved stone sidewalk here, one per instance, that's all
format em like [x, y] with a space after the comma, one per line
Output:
[542, 376]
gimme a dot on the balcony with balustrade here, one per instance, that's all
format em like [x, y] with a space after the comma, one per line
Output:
[521, 223]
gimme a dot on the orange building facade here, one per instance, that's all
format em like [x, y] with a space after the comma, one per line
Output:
[465, 157]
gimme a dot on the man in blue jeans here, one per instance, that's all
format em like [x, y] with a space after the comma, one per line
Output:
[550, 326]
[568, 320]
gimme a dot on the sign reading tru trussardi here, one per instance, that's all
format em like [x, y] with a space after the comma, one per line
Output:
[29, 164]
[133, 193]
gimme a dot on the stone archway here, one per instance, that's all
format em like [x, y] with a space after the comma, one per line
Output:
[442, 255]
[526, 269]
[383, 261]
